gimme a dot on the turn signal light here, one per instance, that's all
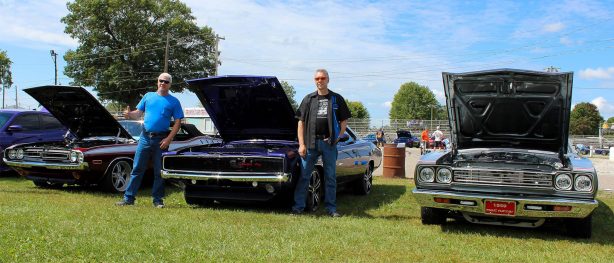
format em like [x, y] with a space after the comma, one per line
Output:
[563, 208]
[442, 200]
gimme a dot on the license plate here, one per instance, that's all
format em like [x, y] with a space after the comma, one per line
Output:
[506, 208]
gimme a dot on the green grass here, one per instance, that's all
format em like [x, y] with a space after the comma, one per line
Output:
[75, 224]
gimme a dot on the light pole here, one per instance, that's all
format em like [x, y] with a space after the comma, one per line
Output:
[54, 56]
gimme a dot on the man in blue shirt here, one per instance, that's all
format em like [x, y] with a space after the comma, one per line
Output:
[158, 108]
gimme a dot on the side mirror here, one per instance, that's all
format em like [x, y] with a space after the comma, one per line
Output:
[14, 128]
[344, 138]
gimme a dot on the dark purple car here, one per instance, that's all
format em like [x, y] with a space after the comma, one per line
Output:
[23, 126]
[259, 158]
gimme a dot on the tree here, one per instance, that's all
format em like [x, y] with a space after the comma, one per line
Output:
[610, 121]
[358, 110]
[6, 79]
[122, 46]
[414, 101]
[290, 92]
[585, 119]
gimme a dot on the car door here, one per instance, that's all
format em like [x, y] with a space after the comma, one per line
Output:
[345, 159]
[51, 129]
[24, 128]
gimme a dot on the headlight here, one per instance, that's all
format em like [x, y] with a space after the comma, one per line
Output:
[583, 183]
[12, 154]
[19, 154]
[563, 182]
[444, 175]
[74, 157]
[427, 175]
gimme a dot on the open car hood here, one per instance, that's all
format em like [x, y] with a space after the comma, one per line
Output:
[247, 107]
[509, 108]
[78, 110]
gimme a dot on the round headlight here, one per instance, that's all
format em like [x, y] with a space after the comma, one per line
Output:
[444, 175]
[427, 175]
[583, 183]
[19, 154]
[12, 154]
[563, 182]
[74, 157]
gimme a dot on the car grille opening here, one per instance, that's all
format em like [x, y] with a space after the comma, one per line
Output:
[499, 177]
[46, 154]
[223, 164]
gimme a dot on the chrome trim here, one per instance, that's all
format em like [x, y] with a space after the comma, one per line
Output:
[235, 177]
[55, 166]
[581, 208]
[116, 159]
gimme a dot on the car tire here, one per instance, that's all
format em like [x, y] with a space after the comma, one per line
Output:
[579, 227]
[433, 216]
[364, 185]
[315, 191]
[118, 176]
[47, 184]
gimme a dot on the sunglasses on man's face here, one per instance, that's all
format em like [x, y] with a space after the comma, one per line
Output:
[320, 78]
[164, 81]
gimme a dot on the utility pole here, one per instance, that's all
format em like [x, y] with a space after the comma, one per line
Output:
[16, 101]
[166, 54]
[54, 56]
[216, 53]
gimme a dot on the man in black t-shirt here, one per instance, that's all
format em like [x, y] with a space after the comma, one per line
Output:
[322, 118]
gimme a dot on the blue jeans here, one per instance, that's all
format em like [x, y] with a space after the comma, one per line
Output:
[329, 161]
[148, 148]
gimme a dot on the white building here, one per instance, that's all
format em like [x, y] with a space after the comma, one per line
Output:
[200, 118]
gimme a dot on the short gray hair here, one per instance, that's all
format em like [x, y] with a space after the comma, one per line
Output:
[323, 71]
[166, 75]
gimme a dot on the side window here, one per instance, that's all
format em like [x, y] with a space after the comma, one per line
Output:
[28, 122]
[50, 123]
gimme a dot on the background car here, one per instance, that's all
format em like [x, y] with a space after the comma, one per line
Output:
[98, 151]
[582, 149]
[370, 138]
[407, 138]
[23, 126]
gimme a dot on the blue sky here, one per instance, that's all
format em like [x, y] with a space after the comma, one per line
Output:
[369, 47]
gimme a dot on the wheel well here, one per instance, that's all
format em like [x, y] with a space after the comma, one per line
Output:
[117, 160]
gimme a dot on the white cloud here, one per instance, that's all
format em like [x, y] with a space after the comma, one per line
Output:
[598, 73]
[387, 104]
[554, 27]
[606, 109]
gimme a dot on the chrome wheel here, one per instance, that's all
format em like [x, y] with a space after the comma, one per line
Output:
[118, 176]
[363, 186]
[314, 192]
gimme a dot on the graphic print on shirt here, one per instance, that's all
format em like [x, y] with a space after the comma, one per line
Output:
[322, 116]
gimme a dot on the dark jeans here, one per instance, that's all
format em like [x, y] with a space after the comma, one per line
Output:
[148, 148]
[329, 161]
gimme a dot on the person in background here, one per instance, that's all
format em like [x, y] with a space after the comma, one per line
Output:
[380, 138]
[424, 138]
[438, 135]
[159, 107]
[323, 117]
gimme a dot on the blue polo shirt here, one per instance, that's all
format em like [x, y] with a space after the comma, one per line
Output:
[159, 110]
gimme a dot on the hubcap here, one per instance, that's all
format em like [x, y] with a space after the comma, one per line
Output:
[120, 175]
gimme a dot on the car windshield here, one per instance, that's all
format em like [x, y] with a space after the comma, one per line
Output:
[133, 127]
[4, 117]
[403, 134]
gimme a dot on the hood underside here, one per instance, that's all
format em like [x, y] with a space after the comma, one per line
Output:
[78, 110]
[247, 107]
[509, 108]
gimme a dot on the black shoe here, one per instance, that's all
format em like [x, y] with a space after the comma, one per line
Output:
[159, 205]
[124, 203]
[296, 212]
[334, 214]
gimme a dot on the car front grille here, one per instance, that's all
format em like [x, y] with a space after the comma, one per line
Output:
[502, 177]
[223, 164]
[46, 154]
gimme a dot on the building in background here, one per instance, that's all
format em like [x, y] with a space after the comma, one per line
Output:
[200, 118]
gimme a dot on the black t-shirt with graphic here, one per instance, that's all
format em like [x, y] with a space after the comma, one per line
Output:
[321, 116]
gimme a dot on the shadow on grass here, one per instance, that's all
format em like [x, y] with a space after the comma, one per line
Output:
[603, 229]
[347, 203]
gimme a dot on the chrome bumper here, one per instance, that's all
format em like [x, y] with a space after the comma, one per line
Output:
[55, 166]
[579, 208]
[235, 177]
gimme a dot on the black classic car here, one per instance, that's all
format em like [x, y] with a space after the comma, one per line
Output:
[510, 162]
[259, 157]
[97, 149]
